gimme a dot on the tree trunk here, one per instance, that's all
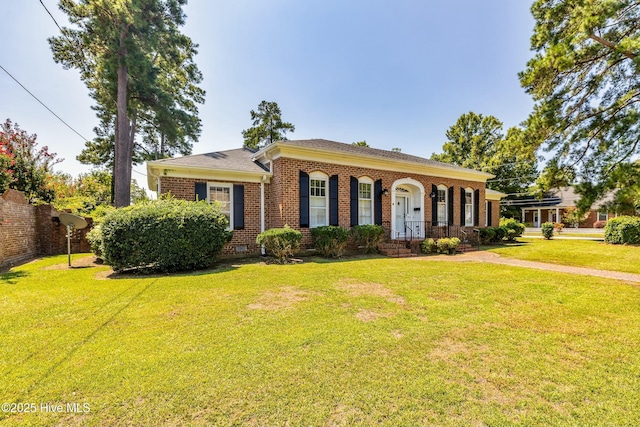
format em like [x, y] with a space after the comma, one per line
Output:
[122, 158]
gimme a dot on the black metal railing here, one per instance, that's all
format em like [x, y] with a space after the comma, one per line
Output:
[421, 230]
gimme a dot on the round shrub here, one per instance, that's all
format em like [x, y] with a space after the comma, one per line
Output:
[429, 246]
[623, 229]
[164, 236]
[367, 236]
[487, 235]
[330, 241]
[513, 227]
[547, 230]
[282, 243]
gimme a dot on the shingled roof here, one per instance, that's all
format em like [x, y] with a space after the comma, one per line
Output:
[240, 159]
[341, 147]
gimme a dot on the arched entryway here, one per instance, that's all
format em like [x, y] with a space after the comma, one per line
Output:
[407, 209]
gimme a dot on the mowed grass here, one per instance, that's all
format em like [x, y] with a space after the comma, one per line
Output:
[579, 253]
[357, 342]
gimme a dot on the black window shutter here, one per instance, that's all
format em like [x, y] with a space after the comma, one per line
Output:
[463, 194]
[489, 214]
[238, 207]
[304, 200]
[450, 216]
[434, 204]
[377, 214]
[354, 201]
[333, 200]
[201, 191]
[476, 207]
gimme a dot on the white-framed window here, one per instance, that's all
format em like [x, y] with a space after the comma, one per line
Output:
[468, 207]
[442, 204]
[318, 200]
[365, 201]
[222, 193]
[603, 216]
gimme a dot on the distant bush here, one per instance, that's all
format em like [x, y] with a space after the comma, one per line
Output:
[162, 235]
[330, 241]
[599, 224]
[547, 230]
[282, 243]
[623, 229]
[429, 246]
[558, 226]
[367, 236]
[513, 228]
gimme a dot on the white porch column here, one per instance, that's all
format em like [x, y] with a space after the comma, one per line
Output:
[523, 215]
[558, 219]
[539, 217]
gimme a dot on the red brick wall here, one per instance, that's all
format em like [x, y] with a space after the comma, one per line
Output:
[285, 186]
[282, 204]
[27, 231]
[18, 229]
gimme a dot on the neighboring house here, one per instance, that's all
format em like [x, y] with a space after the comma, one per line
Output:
[311, 183]
[552, 208]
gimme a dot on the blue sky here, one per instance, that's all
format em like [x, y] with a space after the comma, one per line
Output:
[394, 73]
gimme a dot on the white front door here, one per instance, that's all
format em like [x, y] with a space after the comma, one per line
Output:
[536, 220]
[402, 209]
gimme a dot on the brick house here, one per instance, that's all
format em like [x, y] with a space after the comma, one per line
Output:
[310, 183]
[554, 205]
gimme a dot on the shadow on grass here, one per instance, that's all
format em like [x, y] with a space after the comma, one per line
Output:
[81, 343]
[150, 274]
[11, 277]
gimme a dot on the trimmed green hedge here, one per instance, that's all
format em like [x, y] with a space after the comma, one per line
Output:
[623, 229]
[282, 243]
[163, 235]
[367, 236]
[330, 241]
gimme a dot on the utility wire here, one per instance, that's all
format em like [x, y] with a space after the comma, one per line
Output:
[43, 104]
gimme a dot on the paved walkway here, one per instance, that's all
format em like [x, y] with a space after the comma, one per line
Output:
[490, 257]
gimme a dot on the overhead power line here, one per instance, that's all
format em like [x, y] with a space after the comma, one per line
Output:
[43, 104]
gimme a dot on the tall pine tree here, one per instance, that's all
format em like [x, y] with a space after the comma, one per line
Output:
[140, 71]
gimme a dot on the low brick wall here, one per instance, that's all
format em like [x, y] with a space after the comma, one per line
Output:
[28, 231]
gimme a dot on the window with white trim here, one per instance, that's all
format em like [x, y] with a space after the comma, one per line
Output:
[318, 200]
[468, 207]
[603, 216]
[223, 195]
[365, 201]
[442, 204]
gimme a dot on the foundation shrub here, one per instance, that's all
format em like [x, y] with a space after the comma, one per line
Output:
[330, 241]
[162, 236]
[282, 243]
[429, 246]
[367, 236]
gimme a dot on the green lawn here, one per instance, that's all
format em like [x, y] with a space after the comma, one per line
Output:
[359, 342]
[579, 253]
